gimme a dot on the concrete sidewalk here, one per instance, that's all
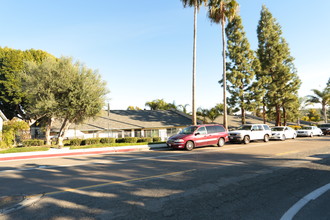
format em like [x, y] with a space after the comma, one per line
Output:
[67, 152]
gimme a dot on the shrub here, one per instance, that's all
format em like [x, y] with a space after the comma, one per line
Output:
[156, 139]
[33, 142]
[75, 142]
[295, 127]
[145, 139]
[90, 141]
[130, 139]
[120, 140]
[108, 140]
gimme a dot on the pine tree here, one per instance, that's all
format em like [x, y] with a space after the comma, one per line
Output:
[277, 68]
[240, 66]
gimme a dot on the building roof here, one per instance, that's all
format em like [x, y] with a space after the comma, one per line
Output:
[133, 119]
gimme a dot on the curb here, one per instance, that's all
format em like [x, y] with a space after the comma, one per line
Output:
[64, 152]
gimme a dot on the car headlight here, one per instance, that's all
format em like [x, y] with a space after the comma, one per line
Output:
[179, 141]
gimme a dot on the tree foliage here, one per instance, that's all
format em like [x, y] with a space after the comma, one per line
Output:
[59, 88]
[12, 96]
[241, 66]
[277, 73]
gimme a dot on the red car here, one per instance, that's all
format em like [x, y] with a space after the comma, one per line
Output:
[199, 135]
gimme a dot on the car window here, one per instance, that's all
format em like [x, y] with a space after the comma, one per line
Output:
[245, 127]
[210, 129]
[219, 128]
[260, 128]
[201, 130]
[266, 127]
[277, 129]
[188, 130]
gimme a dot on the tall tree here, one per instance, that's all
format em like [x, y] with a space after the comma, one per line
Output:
[277, 68]
[12, 97]
[320, 97]
[196, 4]
[219, 12]
[240, 66]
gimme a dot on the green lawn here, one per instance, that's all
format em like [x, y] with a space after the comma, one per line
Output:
[23, 149]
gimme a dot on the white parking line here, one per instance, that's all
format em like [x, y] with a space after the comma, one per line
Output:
[302, 202]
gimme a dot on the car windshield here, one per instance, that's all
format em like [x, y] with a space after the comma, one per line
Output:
[245, 127]
[324, 125]
[277, 129]
[307, 128]
[188, 130]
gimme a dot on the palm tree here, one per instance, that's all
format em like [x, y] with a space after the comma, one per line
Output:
[184, 108]
[219, 12]
[320, 97]
[196, 4]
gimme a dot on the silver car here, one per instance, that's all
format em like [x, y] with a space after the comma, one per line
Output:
[309, 131]
[282, 133]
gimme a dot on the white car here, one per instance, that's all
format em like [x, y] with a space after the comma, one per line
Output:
[309, 131]
[282, 133]
[250, 132]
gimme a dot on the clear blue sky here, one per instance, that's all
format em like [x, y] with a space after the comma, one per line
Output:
[143, 49]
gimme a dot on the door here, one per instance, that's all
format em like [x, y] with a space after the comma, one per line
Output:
[201, 138]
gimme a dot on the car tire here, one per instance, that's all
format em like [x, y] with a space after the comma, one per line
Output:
[283, 138]
[221, 142]
[189, 145]
[266, 138]
[246, 139]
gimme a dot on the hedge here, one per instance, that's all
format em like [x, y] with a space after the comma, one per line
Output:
[75, 142]
[90, 141]
[108, 140]
[33, 142]
[145, 139]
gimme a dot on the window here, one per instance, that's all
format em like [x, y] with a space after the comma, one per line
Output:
[201, 130]
[266, 127]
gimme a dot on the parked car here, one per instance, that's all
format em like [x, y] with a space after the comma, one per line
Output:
[309, 131]
[247, 133]
[282, 133]
[325, 128]
[199, 135]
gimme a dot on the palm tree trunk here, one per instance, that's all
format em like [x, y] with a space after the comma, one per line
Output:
[324, 109]
[194, 121]
[225, 123]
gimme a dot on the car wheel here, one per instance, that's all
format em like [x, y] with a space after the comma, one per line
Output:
[190, 145]
[311, 135]
[246, 139]
[283, 138]
[266, 138]
[221, 142]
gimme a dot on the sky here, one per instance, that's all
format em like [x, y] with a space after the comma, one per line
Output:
[143, 49]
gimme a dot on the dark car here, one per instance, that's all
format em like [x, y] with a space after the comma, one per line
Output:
[199, 135]
[325, 128]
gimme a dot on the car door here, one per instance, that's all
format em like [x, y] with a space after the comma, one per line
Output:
[257, 132]
[212, 134]
[201, 138]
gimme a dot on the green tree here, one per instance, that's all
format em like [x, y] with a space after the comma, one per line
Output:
[277, 68]
[160, 104]
[320, 97]
[64, 90]
[241, 66]
[312, 115]
[219, 12]
[12, 96]
[183, 108]
[202, 112]
[196, 4]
